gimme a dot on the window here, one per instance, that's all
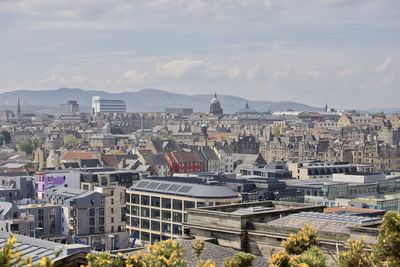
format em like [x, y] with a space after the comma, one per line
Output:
[101, 229]
[155, 213]
[166, 227]
[91, 221]
[177, 204]
[135, 210]
[145, 212]
[177, 229]
[201, 204]
[176, 217]
[155, 201]
[92, 230]
[134, 222]
[112, 210]
[189, 204]
[166, 215]
[101, 211]
[112, 201]
[92, 212]
[101, 220]
[155, 226]
[145, 200]
[166, 203]
[145, 224]
[135, 199]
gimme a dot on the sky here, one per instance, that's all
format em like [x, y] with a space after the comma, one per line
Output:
[344, 53]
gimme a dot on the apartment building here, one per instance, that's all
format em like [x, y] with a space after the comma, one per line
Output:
[156, 207]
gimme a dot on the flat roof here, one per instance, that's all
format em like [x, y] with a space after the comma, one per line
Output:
[184, 189]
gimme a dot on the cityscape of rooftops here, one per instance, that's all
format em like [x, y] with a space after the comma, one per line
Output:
[200, 133]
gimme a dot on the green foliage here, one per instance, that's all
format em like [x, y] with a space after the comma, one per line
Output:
[313, 257]
[70, 141]
[116, 130]
[6, 135]
[356, 255]
[387, 250]
[240, 259]
[301, 241]
[300, 251]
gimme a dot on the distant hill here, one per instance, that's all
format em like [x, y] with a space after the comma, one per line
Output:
[143, 100]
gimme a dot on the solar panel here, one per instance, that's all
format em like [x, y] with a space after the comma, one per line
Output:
[143, 184]
[163, 186]
[174, 188]
[153, 185]
[185, 189]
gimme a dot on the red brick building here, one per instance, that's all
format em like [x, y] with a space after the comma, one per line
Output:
[183, 162]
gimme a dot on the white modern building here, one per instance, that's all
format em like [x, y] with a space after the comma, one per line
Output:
[101, 105]
[156, 207]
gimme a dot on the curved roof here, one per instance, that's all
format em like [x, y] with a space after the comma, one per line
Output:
[184, 189]
[215, 99]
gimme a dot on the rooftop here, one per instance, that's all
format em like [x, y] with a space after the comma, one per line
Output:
[184, 189]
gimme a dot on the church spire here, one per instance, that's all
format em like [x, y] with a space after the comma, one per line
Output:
[19, 108]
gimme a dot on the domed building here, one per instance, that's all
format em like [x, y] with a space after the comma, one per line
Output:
[215, 106]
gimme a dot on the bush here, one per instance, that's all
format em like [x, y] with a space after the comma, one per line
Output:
[240, 259]
[356, 255]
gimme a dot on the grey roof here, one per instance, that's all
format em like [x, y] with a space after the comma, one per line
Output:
[323, 222]
[214, 252]
[210, 154]
[38, 248]
[211, 251]
[184, 189]
[156, 159]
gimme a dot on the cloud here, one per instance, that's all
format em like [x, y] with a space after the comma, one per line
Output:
[197, 69]
[384, 67]
[57, 80]
[345, 73]
[134, 75]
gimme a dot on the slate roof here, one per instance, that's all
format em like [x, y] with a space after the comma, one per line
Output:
[322, 222]
[38, 248]
[211, 251]
[155, 160]
[214, 252]
[184, 189]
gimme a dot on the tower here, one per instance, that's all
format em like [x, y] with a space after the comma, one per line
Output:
[215, 106]
[19, 109]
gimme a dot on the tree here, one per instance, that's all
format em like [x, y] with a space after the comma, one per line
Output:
[25, 146]
[116, 130]
[240, 259]
[387, 250]
[6, 135]
[300, 250]
[70, 141]
[356, 255]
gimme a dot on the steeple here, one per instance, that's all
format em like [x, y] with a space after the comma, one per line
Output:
[326, 107]
[19, 108]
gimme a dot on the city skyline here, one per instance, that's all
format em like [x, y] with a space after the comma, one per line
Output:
[340, 52]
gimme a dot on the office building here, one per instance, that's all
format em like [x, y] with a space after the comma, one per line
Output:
[72, 107]
[101, 105]
[156, 208]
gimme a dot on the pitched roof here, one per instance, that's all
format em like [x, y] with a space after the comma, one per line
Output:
[76, 154]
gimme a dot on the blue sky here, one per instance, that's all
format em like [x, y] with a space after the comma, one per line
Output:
[341, 52]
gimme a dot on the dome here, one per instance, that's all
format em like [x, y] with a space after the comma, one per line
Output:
[215, 99]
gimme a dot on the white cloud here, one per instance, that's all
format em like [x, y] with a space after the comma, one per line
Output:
[134, 75]
[197, 69]
[345, 73]
[384, 67]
